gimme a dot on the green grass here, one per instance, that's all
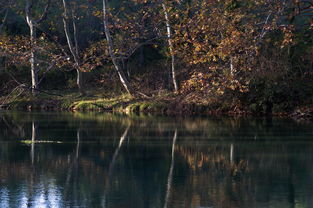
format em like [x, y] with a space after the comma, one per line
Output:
[96, 100]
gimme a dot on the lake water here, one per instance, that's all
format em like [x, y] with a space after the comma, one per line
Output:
[106, 160]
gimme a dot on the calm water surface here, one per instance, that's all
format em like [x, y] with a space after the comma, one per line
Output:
[105, 160]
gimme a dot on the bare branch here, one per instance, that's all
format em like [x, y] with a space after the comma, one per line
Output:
[45, 13]
[264, 30]
[47, 70]
[4, 19]
[131, 51]
[307, 12]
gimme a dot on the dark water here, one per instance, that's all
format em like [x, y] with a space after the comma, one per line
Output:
[105, 160]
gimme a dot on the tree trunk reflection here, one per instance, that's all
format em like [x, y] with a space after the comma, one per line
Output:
[111, 167]
[170, 174]
[34, 135]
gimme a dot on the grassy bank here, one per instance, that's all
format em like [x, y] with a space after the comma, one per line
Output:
[166, 103]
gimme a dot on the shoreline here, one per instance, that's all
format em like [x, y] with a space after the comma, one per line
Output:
[153, 106]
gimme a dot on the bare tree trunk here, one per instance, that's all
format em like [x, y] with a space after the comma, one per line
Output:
[120, 73]
[74, 50]
[33, 68]
[32, 28]
[171, 46]
[79, 81]
[75, 35]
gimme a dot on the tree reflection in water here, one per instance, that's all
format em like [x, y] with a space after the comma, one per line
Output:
[170, 174]
[212, 162]
[33, 140]
[112, 163]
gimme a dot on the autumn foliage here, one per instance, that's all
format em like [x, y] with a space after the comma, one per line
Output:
[244, 49]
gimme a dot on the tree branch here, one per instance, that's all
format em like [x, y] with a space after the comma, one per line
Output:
[135, 48]
[4, 19]
[45, 13]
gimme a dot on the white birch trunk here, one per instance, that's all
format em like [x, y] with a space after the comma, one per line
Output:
[74, 50]
[171, 46]
[33, 64]
[32, 28]
[120, 73]
[79, 80]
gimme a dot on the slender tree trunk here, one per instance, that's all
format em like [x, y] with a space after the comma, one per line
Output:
[80, 80]
[171, 46]
[74, 50]
[120, 73]
[32, 27]
[75, 35]
[33, 64]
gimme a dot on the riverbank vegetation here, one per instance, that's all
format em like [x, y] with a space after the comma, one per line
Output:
[196, 56]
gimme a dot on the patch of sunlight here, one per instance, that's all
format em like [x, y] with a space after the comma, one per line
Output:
[41, 141]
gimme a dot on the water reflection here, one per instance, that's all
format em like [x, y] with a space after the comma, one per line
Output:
[111, 166]
[170, 174]
[33, 140]
[105, 160]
